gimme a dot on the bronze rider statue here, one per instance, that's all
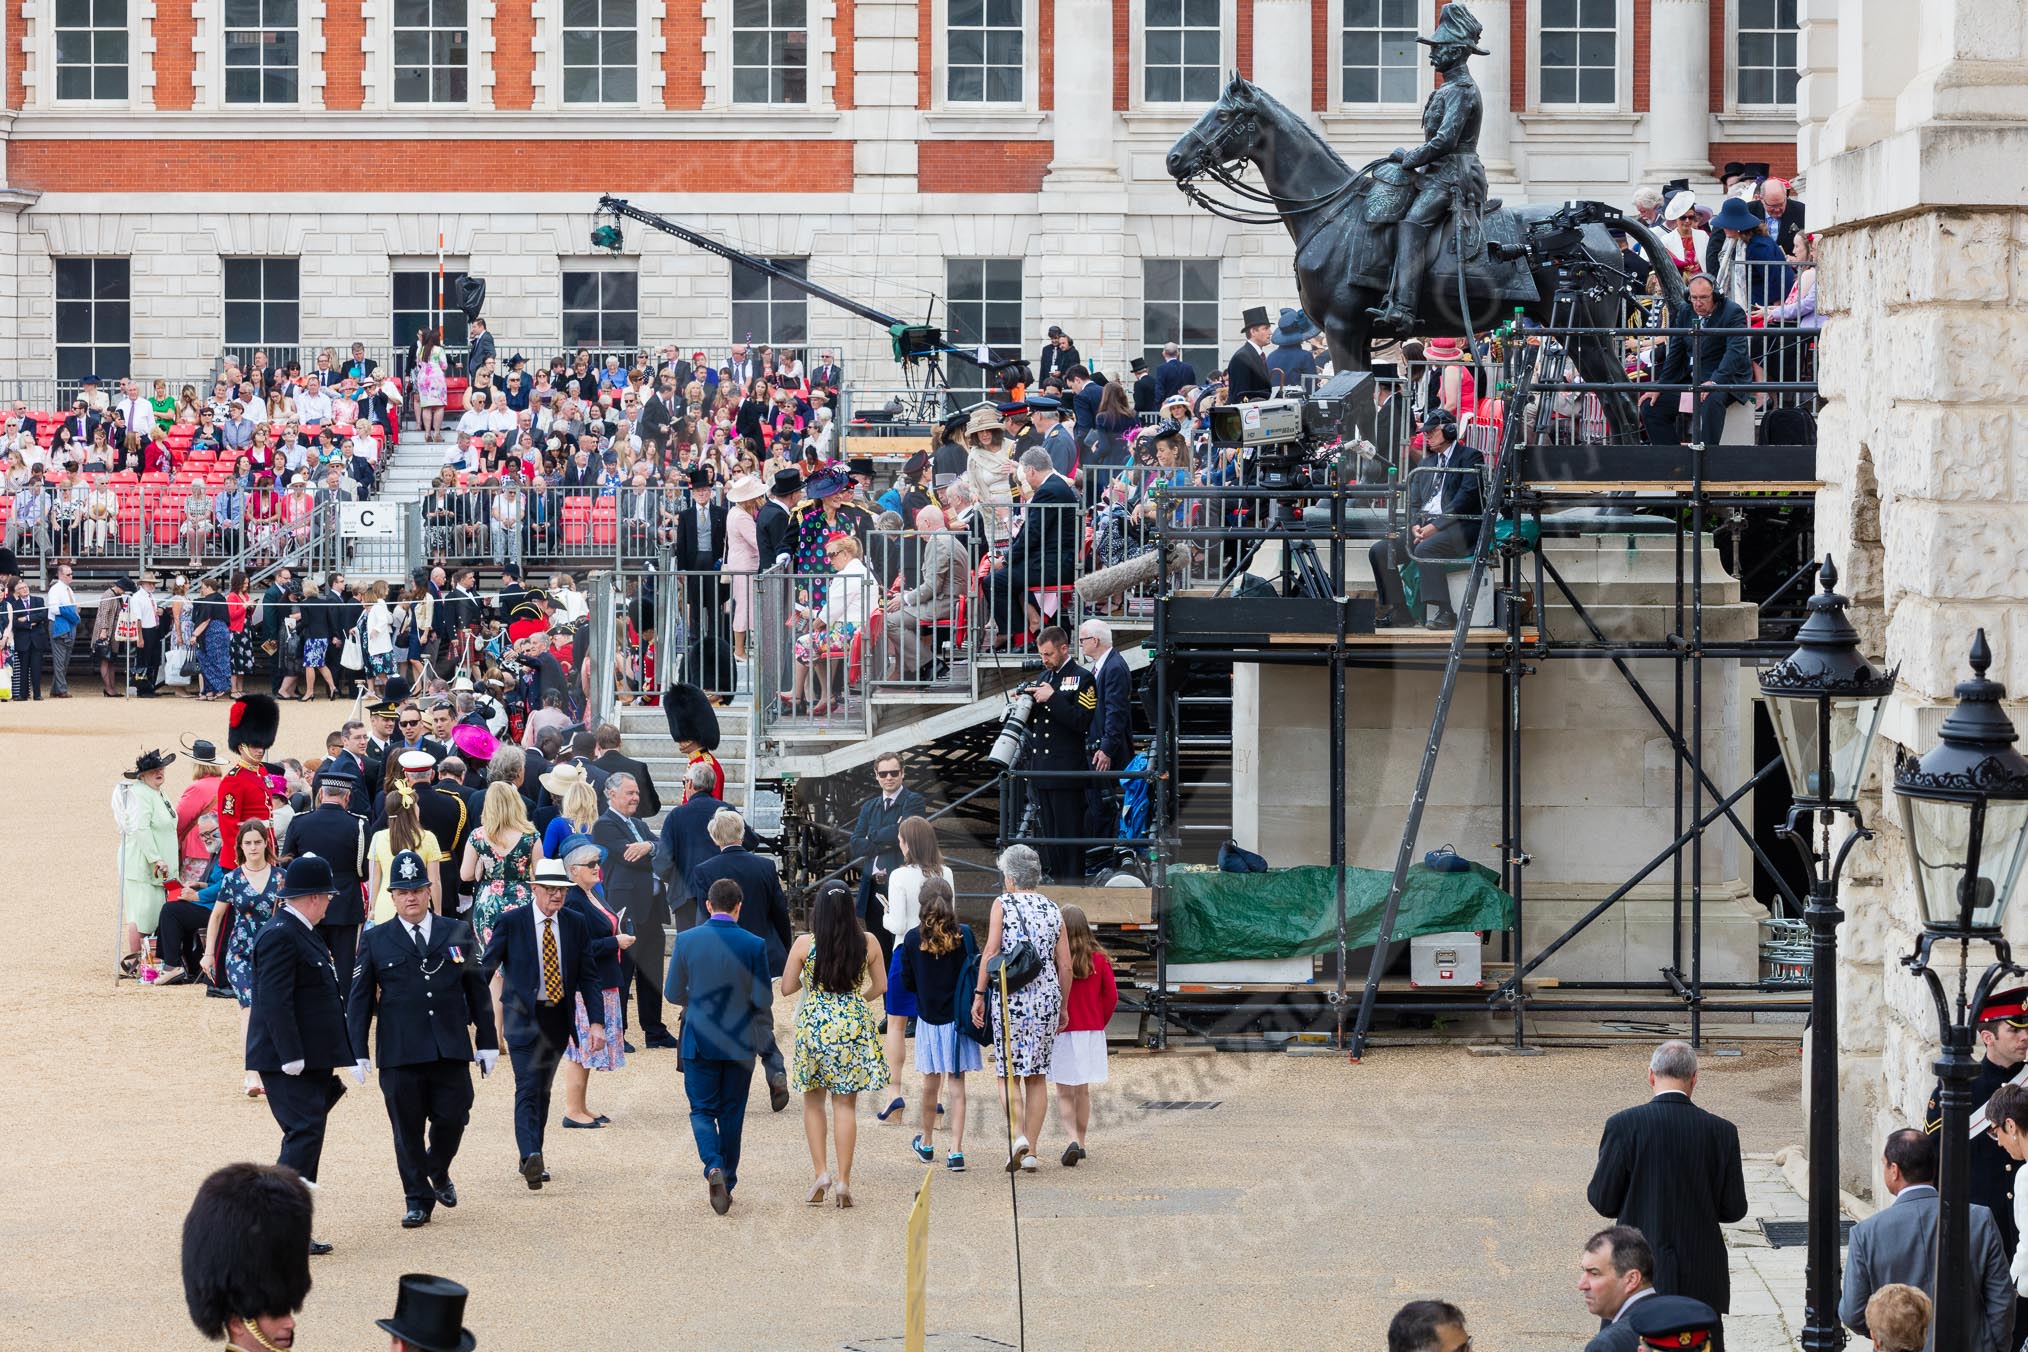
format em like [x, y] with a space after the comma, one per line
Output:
[1417, 189]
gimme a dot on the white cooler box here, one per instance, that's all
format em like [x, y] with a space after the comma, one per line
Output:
[1436, 960]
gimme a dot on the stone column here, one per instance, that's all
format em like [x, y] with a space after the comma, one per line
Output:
[1679, 90]
[1281, 51]
[1490, 74]
[1925, 244]
[1085, 144]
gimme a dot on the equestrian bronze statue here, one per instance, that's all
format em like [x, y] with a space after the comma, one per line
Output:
[1409, 246]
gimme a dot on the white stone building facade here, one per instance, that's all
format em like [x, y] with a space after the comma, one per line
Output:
[285, 172]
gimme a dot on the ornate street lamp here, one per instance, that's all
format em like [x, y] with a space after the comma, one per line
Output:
[1825, 700]
[1964, 808]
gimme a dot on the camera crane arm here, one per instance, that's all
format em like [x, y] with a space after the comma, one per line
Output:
[912, 342]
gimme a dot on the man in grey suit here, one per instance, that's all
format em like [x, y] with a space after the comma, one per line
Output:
[1898, 1244]
[946, 572]
[1615, 1273]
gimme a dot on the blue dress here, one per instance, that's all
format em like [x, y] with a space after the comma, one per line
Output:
[251, 909]
[214, 649]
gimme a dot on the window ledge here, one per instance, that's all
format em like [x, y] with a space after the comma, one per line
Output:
[442, 122]
[1578, 121]
[1014, 123]
[1754, 124]
[1358, 121]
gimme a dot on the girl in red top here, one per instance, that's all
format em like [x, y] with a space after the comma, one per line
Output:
[1078, 1060]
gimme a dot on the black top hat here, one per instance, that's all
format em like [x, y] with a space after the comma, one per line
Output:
[700, 477]
[1255, 316]
[690, 715]
[1138, 365]
[1755, 169]
[860, 465]
[309, 875]
[1732, 169]
[255, 720]
[149, 760]
[200, 751]
[1457, 24]
[1676, 185]
[429, 1315]
[787, 481]
[246, 1246]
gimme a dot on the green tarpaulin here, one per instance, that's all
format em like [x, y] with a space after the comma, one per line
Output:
[1292, 912]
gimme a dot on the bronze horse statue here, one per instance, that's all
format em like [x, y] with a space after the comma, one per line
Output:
[1343, 264]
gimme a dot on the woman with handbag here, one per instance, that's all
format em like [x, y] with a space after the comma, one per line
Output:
[1026, 935]
[837, 967]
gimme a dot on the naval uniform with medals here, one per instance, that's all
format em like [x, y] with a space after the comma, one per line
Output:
[1993, 1171]
[1056, 742]
[426, 984]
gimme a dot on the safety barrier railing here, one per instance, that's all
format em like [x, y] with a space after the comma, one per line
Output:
[931, 612]
[817, 652]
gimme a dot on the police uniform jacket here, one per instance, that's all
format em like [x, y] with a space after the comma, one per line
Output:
[426, 1004]
[295, 1014]
[1993, 1170]
[339, 839]
[1056, 728]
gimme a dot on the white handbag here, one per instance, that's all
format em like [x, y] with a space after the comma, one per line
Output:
[176, 666]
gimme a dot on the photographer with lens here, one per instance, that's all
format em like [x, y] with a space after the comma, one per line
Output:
[1065, 700]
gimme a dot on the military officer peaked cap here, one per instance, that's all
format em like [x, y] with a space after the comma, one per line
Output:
[2010, 1006]
[407, 872]
[1672, 1321]
[1456, 24]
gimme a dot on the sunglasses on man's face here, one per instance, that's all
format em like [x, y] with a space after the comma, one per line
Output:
[410, 723]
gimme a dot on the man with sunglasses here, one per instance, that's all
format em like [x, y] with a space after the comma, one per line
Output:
[876, 840]
[2003, 1032]
[411, 733]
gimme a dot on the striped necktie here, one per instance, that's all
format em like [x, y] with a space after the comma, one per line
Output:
[552, 965]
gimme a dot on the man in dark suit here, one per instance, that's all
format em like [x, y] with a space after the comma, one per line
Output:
[1246, 374]
[1065, 700]
[420, 974]
[1173, 374]
[876, 839]
[275, 609]
[1085, 390]
[1776, 205]
[295, 1034]
[1147, 392]
[355, 759]
[1444, 498]
[827, 375]
[606, 741]
[1058, 356]
[775, 525]
[1109, 740]
[464, 808]
[333, 834]
[1050, 434]
[1615, 1273]
[633, 891]
[1043, 553]
[659, 412]
[544, 954]
[1699, 360]
[686, 842]
[719, 974]
[479, 348]
[1897, 1244]
[700, 550]
[764, 913]
[1673, 1172]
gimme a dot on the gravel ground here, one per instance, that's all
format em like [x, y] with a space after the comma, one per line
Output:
[1315, 1196]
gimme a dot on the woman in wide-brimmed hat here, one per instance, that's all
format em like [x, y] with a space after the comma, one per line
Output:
[990, 470]
[147, 850]
[827, 511]
[577, 804]
[742, 552]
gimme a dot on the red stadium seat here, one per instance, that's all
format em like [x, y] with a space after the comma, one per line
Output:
[575, 530]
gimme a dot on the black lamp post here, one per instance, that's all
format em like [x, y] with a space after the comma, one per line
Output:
[1964, 808]
[1825, 700]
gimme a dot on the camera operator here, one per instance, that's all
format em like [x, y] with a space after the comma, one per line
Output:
[1445, 495]
[1065, 700]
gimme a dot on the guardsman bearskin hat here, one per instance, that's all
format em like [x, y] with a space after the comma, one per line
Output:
[690, 716]
[255, 720]
[246, 1246]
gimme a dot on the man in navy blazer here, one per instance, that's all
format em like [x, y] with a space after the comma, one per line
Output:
[876, 838]
[719, 974]
[295, 1033]
[536, 1001]
[686, 842]
[1109, 737]
[1043, 552]
[764, 913]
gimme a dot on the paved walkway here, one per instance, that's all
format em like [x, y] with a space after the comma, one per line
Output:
[1767, 1283]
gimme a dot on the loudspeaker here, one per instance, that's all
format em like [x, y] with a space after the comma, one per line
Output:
[471, 296]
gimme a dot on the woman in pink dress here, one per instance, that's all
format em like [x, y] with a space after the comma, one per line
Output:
[742, 552]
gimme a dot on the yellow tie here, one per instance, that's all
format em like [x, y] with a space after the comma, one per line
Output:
[552, 967]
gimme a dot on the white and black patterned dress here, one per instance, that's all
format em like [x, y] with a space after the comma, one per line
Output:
[1034, 918]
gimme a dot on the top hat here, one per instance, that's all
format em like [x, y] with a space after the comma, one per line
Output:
[1672, 1321]
[429, 1315]
[1755, 169]
[246, 1246]
[1731, 169]
[308, 875]
[1295, 327]
[786, 481]
[201, 752]
[690, 716]
[1456, 24]
[407, 872]
[550, 873]
[699, 477]
[147, 761]
[745, 488]
[1735, 215]
[1255, 316]
[1138, 365]
[860, 466]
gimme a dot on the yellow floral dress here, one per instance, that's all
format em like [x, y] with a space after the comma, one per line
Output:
[837, 1041]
